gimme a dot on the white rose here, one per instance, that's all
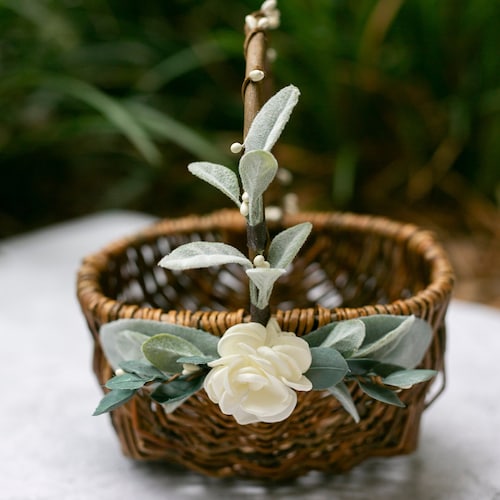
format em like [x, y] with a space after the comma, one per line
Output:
[259, 370]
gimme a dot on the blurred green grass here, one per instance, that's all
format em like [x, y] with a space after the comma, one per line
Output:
[105, 102]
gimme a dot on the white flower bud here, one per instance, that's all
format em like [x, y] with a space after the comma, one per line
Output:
[271, 54]
[273, 213]
[189, 368]
[259, 261]
[236, 147]
[245, 197]
[263, 23]
[269, 5]
[274, 19]
[291, 203]
[119, 372]
[251, 21]
[244, 209]
[256, 75]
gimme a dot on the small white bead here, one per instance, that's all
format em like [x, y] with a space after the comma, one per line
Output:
[263, 23]
[189, 368]
[271, 54]
[236, 147]
[269, 5]
[284, 176]
[273, 213]
[256, 75]
[251, 21]
[119, 372]
[259, 261]
[291, 203]
[274, 19]
[245, 197]
[244, 210]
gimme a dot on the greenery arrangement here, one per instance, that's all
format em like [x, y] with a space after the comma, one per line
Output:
[254, 370]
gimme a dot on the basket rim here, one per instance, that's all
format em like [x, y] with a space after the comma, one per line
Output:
[434, 296]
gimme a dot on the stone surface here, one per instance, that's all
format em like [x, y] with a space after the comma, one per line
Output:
[51, 447]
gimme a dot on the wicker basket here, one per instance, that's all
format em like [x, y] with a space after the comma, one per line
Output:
[351, 266]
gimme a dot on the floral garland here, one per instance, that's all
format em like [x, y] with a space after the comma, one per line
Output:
[253, 372]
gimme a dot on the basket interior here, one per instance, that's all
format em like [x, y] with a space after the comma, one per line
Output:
[337, 267]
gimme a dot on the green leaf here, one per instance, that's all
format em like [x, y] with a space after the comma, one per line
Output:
[218, 176]
[127, 381]
[205, 341]
[327, 369]
[264, 278]
[406, 378]
[195, 360]
[385, 369]
[143, 369]
[173, 394]
[121, 344]
[346, 337]
[199, 254]
[381, 394]
[164, 127]
[361, 366]
[112, 109]
[270, 121]
[113, 399]
[164, 350]
[404, 344]
[342, 394]
[257, 170]
[285, 245]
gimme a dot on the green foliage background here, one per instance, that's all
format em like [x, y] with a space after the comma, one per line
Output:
[104, 102]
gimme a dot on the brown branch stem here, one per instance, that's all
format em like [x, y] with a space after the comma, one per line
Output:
[254, 94]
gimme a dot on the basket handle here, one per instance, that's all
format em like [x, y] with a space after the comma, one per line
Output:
[256, 88]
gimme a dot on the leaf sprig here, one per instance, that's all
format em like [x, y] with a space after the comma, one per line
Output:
[378, 353]
[257, 169]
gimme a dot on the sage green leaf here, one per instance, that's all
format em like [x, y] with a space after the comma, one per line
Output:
[327, 369]
[143, 369]
[317, 337]
[343, 396]
[113, 399]
[218, 176]
[406, 378]
[164, 350]
[121, 344]
[270, 121]
[264, 278]
[385, 369]
[173, 394]
[205, 341]
[126, 381]
[381, 394]
[346, 337]
[362, 366]
[196, 360]
[199, 254]
[257, 170]
[404, 345]
[378, 325]
[285, 245]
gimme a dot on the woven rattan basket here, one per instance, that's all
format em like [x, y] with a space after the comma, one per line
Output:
[351, 266]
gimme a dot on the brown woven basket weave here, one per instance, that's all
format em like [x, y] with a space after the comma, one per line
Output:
[351, 266]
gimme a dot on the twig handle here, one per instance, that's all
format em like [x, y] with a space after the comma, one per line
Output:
[257, 85]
